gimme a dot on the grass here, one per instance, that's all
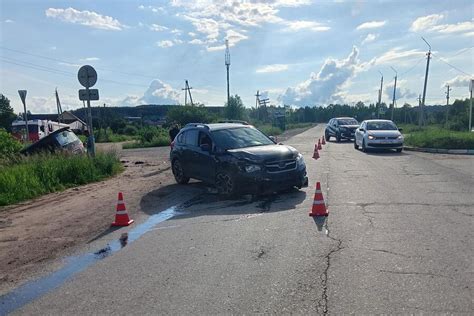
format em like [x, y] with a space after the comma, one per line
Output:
[40, 174]
[439, 138]
[298, 125]
[157, 141]
[270, 130]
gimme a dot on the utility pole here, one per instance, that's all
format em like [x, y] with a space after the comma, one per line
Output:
[187, 89]
[471, 86]
[420, 109]
[422, 122]
[227, 65]
[447, 103]
[257, 101]
[58, 106]
[380, 95]
[394, 90]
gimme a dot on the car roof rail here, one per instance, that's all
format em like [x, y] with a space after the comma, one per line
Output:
[197, 125]
[234, 121]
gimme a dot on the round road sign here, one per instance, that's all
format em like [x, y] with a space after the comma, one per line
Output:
[87, 76]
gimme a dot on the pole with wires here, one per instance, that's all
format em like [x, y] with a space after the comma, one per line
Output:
[447, 103]
[394, 91]
[380, 95]
[422, 118]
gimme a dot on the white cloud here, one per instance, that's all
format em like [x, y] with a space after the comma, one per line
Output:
[455, 28]
[305, 25]
[396, 55]
[157, 28]
[165, 43]
[8, 21]
[69, 64]
[212, 19]
[158, 93]
[215, 48]
[400, 93]
[90, 59]
[197, 42]
[87, 18]
[425, 22]
[458, 81]
[371, 25]
[176, 31]
[53, 48]
[234, 37]
[272, 68]
[326, 85]
[370, 38]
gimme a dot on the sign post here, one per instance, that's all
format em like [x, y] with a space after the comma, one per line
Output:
[87, 78]
[22, 94]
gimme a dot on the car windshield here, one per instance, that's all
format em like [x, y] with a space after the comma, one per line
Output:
[66, 137]
[381, 126]
[240, 138]
[348, 122]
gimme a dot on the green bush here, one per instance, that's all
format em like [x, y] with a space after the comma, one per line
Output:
[9, 146]
[443, 139]
[41, 174]
[108, 136]
[150, 137]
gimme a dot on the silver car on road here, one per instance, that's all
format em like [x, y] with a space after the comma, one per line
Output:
[378, 134]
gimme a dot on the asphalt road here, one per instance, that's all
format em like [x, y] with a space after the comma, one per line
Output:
[398, 240]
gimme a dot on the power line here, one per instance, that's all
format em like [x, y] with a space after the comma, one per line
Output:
[61, 72]
[417, 63]
[71, 63]
[454, 67]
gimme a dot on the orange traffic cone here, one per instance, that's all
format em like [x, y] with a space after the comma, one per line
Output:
[121, 216]
[316, 153]
[319, 144]
[324, 141]
[319, 207]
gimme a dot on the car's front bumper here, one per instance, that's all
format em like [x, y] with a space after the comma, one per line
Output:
[348, 134]
[395, 144]
[265, 182]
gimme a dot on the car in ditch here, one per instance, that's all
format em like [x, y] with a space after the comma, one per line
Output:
[378, 134]
[341, 128]
[236, 158]
[61, 140]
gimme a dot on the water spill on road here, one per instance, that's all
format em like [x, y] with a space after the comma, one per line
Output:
[75, 264]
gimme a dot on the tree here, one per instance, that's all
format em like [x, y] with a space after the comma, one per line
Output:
[234, 109]
[7, 116]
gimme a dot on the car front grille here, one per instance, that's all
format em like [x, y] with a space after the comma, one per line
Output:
[386, 137]
[281, 166]
[384, 145]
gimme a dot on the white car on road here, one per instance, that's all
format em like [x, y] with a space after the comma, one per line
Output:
[378, 134]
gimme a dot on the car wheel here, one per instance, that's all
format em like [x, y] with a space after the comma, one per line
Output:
[399, 150]
[355, 144]
[327, 136]
[179, 173]
[364, 149]
[225, 184]
[338, 137]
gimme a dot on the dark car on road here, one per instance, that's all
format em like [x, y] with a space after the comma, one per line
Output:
[62, 140]
[236, 158]
[341, 128]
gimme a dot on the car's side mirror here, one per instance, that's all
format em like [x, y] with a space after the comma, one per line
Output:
[205, 147]
[273, 139]
[361, 129]
[400, 129]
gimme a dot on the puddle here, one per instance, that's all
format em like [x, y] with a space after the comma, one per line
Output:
[75, 264]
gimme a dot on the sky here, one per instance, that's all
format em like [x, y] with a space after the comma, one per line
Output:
[295, 52]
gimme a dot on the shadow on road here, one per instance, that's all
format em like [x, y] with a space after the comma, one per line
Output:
[198, 200]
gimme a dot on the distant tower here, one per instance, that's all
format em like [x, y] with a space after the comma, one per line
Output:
[227, 65]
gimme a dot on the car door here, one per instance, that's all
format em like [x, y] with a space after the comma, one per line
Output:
[203, 159]
[188, 152]
[334, 128]
[331, 127]
[359, 134]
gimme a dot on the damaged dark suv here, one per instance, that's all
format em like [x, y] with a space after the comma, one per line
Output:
[236, 158]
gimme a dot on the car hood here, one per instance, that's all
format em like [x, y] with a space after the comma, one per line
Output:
[268, 153]
[384, 133]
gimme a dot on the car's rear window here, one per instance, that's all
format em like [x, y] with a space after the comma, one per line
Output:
[381, 126]
[240, 138]
[66, 137]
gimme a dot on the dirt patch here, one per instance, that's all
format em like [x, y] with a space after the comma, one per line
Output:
[35, 232]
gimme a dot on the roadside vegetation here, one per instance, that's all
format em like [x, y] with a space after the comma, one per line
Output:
[150, 136]
[29, 177]
[440, 139]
